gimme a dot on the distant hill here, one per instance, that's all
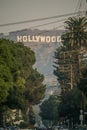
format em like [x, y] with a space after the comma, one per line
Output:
[13, 35]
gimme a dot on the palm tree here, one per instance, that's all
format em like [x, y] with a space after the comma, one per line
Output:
[76, 35]
[74, 38]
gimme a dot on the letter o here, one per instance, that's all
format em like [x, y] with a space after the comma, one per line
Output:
[25, 39]
[53, 39]
[48, 39]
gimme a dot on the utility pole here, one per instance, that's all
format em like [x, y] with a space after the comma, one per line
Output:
[79, 64]
[71, 77]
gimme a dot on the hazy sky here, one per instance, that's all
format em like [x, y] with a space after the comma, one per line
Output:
[22, 10]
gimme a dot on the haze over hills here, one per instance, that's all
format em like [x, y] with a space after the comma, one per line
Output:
[44, 52]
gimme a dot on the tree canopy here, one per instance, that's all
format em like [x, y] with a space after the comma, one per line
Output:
[19, 82]
[49, 109]
[69, 67]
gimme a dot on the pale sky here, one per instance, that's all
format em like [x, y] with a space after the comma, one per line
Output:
[22, 10]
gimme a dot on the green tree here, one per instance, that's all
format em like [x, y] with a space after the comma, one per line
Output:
[68, 65]
[17, 76]
[31, 116]
[70, 105]
[34, 91]
[49, 109]
[82, 85]
[6, 82]
[76, 32]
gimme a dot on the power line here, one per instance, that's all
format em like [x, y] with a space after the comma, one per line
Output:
[40, 19]
[77, 6]
[46, 31]
[81, 5]
[48, 23]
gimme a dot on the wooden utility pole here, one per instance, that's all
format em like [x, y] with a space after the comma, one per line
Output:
[79, 63]
[71, 77]
[69, 62]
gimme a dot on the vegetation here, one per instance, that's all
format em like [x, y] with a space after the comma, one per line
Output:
[68, 56]
[69, 108]
[20, 84]
[49, 109]
[70, 68]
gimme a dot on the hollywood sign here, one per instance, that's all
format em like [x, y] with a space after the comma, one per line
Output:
[39, 38]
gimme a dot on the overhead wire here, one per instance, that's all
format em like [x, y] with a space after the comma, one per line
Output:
[81, 5]
[76, 9]
[42, 19]
[47, 31]
[39, 19]
[84, 5]
[48, 23]
[44, 32]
